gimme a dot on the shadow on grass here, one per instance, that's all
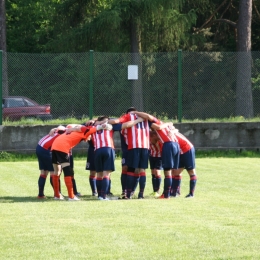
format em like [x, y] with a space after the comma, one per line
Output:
[10, 199]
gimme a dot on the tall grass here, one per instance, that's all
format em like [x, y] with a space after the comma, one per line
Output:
[220, 222]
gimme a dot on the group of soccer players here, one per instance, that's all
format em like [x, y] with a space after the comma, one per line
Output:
[144, 139]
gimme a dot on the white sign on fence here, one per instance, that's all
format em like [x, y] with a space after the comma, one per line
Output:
[132, 72]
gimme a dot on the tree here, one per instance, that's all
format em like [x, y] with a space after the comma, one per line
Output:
[3, 47]
[2, 26]
[242, 31]
[28, 25]
[145, 26]
[244, 100]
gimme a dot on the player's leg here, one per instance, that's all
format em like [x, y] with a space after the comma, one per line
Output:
[68, 175]
[93, 182]
[143, 165]
[45, 165]
[108, 167]
[188, 162]
[75, 189]
[90, 165]
[132, 163]
[176, 182]
[99, 183]
[123, 177]
[153, 173]
[170, 160]
[193, 182]
[41, 183]
[56, 180]
[156, 164]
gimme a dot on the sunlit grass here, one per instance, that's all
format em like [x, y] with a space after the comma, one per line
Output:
[220, 222]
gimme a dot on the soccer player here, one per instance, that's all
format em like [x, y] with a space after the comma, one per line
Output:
[187, 161]
[75, 190]
[91, 167]
[155, 159]
[124, 149]
[93, 178]
[105, 154]
[60, 155]
[44, 155]
[170, 150]
[138, 152]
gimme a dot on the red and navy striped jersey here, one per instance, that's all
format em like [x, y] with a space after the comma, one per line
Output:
[103, 138]
[185, 144]
[137, 135]
[165, 134]
[156, 149]
[47, 140]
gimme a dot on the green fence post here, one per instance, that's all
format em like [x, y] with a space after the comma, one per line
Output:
[1, 86]
[179, 85]
[91, 84]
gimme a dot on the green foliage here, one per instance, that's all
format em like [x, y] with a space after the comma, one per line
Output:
[77, 26]
[28, 25]
[161, 25]
[13, 157]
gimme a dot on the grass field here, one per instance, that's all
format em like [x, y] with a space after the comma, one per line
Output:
[221, 222]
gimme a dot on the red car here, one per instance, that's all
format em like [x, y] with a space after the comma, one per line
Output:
[16, 107]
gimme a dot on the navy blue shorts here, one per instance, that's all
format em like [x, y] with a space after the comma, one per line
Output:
[44, 159]
[170, 155]
[155, 163]
[105, 159]
[90, 165]
[187, 160]
[138, 158]
[124, 157]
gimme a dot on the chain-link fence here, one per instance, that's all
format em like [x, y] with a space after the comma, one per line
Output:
[180, 85]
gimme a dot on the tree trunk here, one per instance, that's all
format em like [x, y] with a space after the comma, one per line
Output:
[137, 89]
[244, 100]
[3, 47]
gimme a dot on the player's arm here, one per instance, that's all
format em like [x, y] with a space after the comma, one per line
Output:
[143, 115]
[132, 123]
[113, 121]
[53, 131]
[74, 128]
[161, 126]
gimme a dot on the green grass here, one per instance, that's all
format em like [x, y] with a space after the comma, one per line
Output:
[221, 222]
[15, 157]
[73, 120]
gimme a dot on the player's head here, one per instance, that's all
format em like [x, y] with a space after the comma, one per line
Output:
[101, 118]
[61, 129]
[153, 137]
[130, 109]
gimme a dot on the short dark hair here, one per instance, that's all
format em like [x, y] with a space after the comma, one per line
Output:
[130, 109]
[100, 118]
